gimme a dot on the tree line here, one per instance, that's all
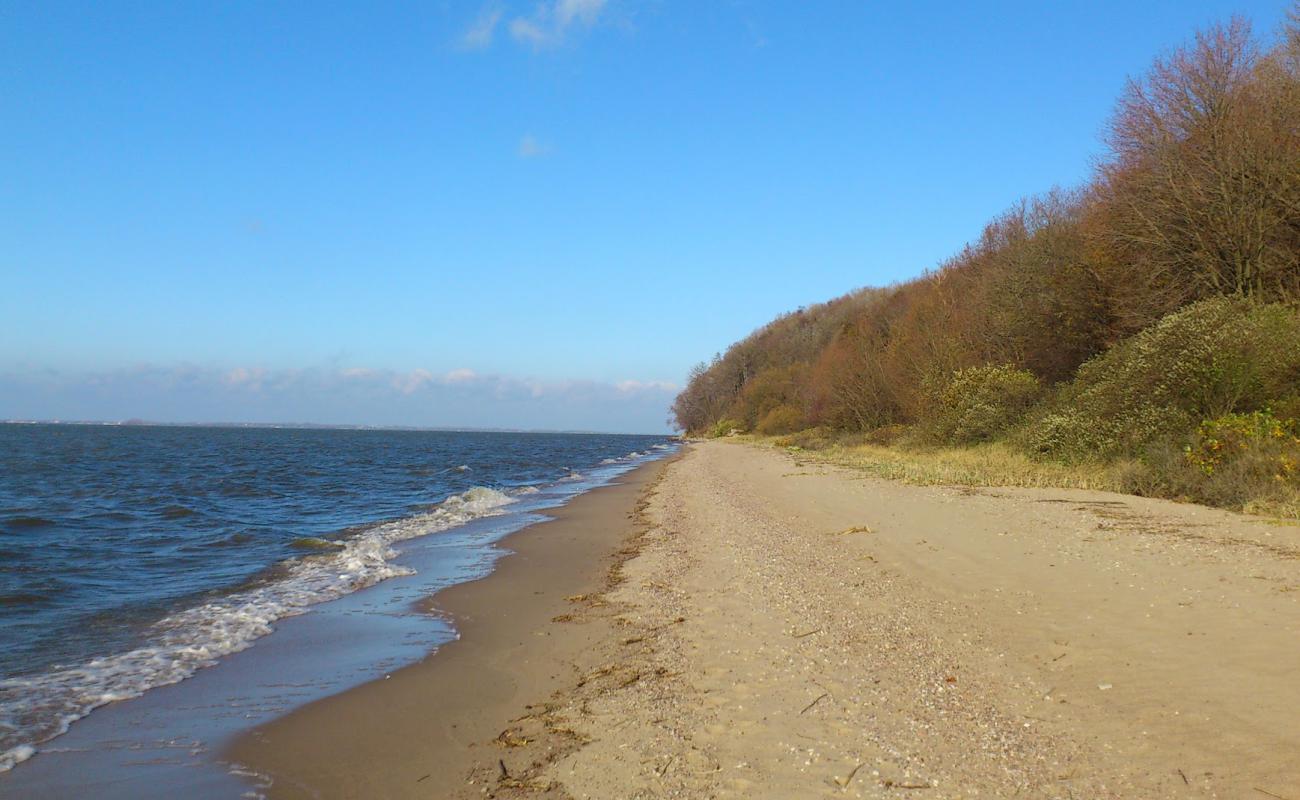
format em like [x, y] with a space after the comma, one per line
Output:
[1194, 210]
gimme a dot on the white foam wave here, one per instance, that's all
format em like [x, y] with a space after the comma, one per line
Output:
[632, 456]
[36, 708]
[16, 755]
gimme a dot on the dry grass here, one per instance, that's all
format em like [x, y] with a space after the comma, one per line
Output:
[993, 464]
[1000, 464]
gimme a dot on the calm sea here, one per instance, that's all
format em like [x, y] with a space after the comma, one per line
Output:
[131, 557]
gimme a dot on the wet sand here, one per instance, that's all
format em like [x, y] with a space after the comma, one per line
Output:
[425, 730]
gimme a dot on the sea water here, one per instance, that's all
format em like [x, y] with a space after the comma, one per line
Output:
[133, 557]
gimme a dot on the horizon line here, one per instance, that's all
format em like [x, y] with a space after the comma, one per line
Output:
[142, 423]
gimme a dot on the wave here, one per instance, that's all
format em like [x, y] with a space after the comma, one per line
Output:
[36, 708]
[315, 543]
[178, 512]
[28, 522]
[634, 455]
[24, 599]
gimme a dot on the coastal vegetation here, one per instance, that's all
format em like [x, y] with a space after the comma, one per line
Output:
[1140, 333]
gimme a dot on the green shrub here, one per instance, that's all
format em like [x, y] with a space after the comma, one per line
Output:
[1247, 462]
[977, 404]
[1072, 433]
[1212, 358]
[782, 419]
[1287, 408]
[886, 435]
[1269, 443]
[818, 438]
[725, 427]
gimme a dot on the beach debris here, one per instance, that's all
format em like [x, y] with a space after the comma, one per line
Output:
[677, 621]
[545, 708]
[505, 773]
[1270, 794]
[844, 782]
[889, 784]
[820, 698]
[508, 738]
[599, 673]
[807, 633]
[1105, 686]
[855, 529]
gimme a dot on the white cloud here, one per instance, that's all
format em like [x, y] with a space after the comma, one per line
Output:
[244, 377]
[584, 11]
[461, 375]
[530, 147]
[411, 382]
[551, 21]
[642, 386]
[360, 395]
[480, 34]
[528, 32]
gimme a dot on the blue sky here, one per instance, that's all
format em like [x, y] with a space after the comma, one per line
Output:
[524, 214]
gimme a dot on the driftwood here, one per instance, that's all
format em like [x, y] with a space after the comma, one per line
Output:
[844, 784]
[894, 785]
[677, 621]
[820, 698]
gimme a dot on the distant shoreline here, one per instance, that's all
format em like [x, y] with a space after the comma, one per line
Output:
[309, 426]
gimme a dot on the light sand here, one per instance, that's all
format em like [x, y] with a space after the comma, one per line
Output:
[792, 630]
[852, 637]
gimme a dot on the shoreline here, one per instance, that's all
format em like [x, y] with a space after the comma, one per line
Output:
[756, 625]
[426, 729]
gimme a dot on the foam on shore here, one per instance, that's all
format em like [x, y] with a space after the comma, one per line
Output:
[36, 708]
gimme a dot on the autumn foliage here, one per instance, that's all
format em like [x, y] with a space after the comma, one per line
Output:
[1197, 198]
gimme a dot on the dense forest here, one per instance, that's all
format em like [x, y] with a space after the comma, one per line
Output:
[1150, 315]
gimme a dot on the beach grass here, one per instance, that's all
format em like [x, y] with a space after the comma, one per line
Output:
[1001, 464]
[992, 464]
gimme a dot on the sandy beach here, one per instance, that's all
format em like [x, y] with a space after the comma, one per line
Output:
[739, 622]
[426, 729]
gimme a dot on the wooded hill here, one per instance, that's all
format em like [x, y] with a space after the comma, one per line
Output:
[1148, 315]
